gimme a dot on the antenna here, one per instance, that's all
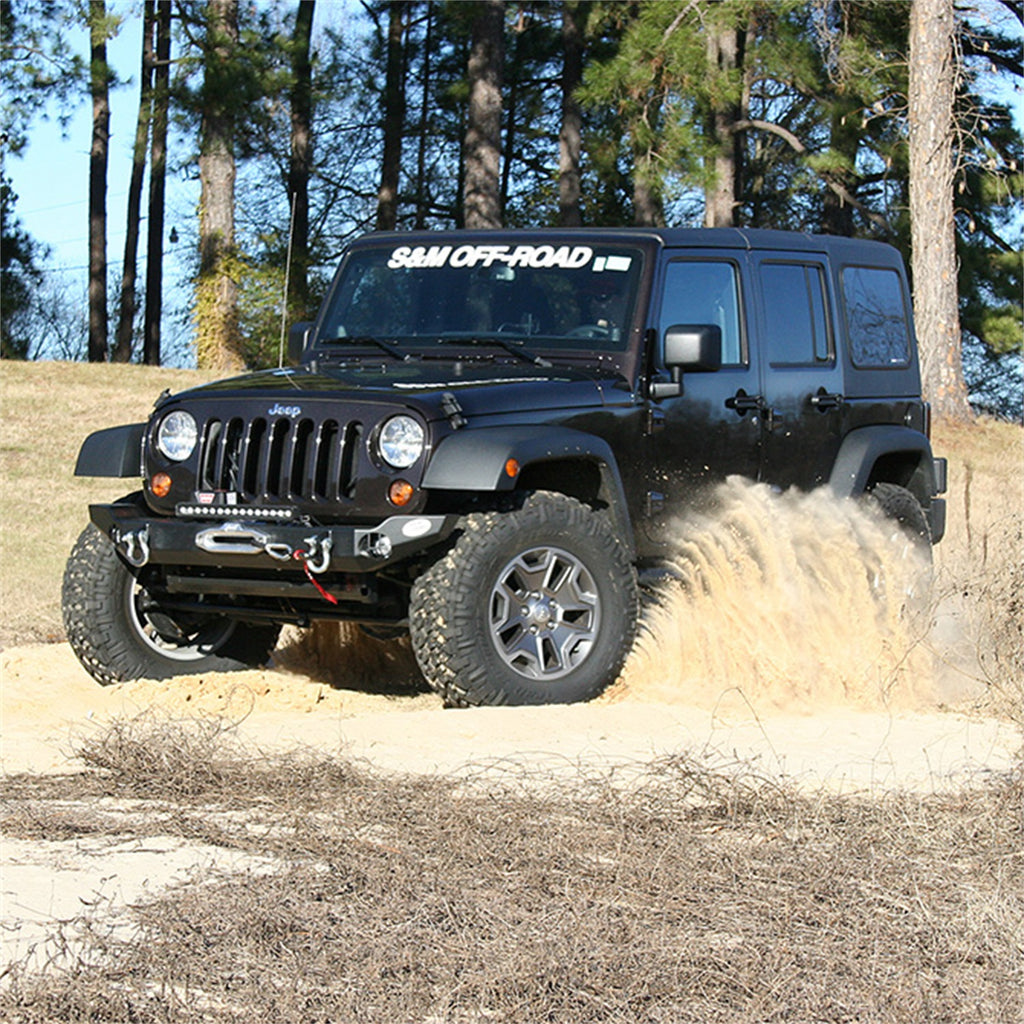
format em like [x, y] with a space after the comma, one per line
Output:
[287, 279]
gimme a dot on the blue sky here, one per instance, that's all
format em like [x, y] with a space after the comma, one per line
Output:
[51, 180]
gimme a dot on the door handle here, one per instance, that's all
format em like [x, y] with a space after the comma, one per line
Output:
[743, 403]
[824, 400]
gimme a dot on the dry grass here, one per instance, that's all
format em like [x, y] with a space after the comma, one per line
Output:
[980, 563]
[48, 409]
[688, 895]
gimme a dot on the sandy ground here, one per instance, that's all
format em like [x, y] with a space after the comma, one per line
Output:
[55, 893]
[48, 701]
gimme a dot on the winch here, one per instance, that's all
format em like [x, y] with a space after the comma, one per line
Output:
[235, 538]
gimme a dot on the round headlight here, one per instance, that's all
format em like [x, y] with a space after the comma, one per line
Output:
[401, 441]
[176, 436]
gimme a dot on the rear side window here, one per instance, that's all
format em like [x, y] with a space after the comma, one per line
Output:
[705, 292]
[876, 317]
[796, 327]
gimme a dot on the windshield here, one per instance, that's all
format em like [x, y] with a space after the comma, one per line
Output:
[567, 297]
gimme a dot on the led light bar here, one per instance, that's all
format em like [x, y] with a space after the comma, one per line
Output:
[234, 512]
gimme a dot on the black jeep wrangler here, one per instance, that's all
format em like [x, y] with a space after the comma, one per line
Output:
[486, 444]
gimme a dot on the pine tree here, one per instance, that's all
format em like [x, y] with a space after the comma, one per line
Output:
[218, 340]
[933, 74]
[482, 187]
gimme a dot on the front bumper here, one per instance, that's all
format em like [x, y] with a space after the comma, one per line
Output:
[144, 539]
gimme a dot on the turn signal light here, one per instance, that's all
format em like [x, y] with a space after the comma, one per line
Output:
[160, 485]
[400, 493]
[512, 468]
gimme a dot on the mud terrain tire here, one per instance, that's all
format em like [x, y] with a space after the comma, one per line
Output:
[116, 639]
[533, 606]
[898, 504]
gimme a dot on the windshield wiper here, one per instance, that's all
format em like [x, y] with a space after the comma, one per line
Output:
[384, 346]
[509, 346]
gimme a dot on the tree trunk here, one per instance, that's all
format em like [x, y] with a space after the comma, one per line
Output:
[99, 85]
[648, 208]
[422, 201]
[157, 188]
[217, 332]
[129, 268]
[837, 212]
[300, 163]
[722, 193]
[482, 149]
[511, 118]
[570, 213]
[932, 233]
[394, 118]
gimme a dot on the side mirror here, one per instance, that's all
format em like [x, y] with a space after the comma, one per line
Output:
[298, 337]
[695, 348]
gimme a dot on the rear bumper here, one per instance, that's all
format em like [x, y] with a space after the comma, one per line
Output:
[144, 539]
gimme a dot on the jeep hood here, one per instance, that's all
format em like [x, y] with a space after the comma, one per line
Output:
[481, 388]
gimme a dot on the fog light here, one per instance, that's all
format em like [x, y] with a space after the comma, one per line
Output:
[160, 485]
[400, 493]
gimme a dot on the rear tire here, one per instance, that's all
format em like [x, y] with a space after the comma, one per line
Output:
[118, 633]
[532, 606]
[898, 504]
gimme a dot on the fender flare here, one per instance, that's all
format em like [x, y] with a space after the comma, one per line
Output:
[474, 460]
[116, 452]
[864, 446]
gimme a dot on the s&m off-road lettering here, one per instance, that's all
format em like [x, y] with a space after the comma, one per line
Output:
[569, 257]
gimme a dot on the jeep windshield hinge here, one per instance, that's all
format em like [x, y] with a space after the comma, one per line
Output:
[655, 420]
[451, 408]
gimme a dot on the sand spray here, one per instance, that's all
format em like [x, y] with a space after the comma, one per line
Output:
[796, 600]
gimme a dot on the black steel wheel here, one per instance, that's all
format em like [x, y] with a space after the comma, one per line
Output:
[120, 633]
[533, 606]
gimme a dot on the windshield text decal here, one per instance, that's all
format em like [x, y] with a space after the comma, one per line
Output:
[538, 256]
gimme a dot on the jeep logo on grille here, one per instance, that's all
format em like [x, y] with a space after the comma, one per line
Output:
[285, 410]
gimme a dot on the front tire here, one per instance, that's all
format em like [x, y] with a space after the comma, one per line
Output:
[118, 633]
[533, 606]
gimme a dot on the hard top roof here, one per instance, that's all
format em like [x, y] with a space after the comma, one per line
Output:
[846, 249]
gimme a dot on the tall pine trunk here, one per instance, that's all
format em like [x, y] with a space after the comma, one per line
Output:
[933, 71]
[218, 340]
[648, 206]
[394, 118]
[99, 86]
[129, 268]
[570, 213]
[157, 188]
[725, 58]
[422, 199]
[300, 163]
[482, 148]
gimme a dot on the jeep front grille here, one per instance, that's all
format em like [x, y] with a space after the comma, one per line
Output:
[279, 460]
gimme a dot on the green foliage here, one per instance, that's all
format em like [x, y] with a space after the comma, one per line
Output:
[261, 289]
[19, 278]
[989, 195]
[39, 71]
